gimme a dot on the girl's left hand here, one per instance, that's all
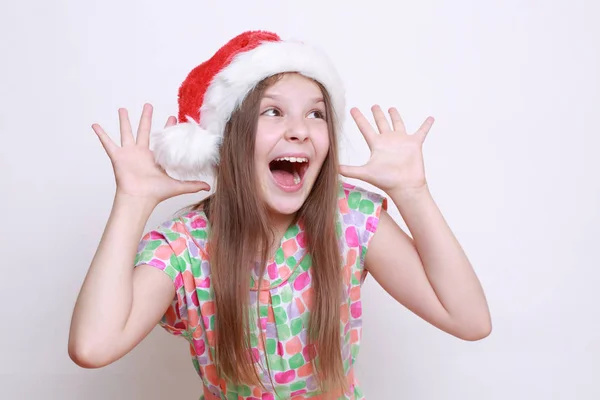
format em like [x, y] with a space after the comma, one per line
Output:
[396, 162]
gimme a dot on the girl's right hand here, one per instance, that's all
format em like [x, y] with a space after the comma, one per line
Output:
[136, 173]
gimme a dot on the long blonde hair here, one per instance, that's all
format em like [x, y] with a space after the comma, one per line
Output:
[240, 226]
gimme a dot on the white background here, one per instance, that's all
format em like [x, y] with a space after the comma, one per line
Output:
[511, 161]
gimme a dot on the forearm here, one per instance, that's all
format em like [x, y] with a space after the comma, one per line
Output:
[446, 264]
[106, 296]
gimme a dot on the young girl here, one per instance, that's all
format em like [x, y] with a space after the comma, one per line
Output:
[263, 278]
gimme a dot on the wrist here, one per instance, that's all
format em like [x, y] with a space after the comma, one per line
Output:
[143, 206]
[409, 193]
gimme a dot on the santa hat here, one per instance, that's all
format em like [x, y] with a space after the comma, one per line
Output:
[215, 89]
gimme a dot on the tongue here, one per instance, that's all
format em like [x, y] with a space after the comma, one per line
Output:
[284, 178]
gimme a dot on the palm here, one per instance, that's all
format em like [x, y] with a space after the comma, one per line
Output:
[136, 173]
[396, 157]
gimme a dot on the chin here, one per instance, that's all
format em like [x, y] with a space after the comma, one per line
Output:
[285, 205]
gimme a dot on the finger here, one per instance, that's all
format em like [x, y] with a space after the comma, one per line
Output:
[397, 122]
[171, 121]
[143, 132]
[350, 171]
[425, 127]
[380, 119]
[105, 140]
[125, 126]
[364, 126]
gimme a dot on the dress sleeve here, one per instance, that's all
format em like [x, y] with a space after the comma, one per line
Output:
[360, 209]
[166, 249]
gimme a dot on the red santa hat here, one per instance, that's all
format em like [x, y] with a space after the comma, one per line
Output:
[215, 89]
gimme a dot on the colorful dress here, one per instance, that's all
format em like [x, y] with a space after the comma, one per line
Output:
[178, 248]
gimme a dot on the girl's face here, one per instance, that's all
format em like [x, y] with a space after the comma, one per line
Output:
[292, 141]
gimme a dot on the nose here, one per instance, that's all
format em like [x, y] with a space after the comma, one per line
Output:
[296, 130]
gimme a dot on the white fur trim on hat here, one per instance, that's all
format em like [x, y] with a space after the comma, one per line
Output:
[186, 151]
[231, 86]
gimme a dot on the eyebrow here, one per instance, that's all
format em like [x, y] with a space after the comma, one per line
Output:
[277, 97]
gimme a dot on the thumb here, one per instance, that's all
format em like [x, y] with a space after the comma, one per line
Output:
[193, 186]
[350, 171]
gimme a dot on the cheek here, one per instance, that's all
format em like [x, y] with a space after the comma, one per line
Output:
[321, 143]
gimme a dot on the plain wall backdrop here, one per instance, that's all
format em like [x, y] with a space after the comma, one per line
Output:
[511, 161]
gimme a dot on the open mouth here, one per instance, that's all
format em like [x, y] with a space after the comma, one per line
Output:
[289, 171]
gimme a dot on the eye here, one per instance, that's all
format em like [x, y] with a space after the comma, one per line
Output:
[317, 114]
[272, 112]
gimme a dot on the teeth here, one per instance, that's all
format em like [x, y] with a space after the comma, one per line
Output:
[296, 178]
[293, 159]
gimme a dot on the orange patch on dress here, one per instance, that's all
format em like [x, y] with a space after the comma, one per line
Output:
[289, 247]
[210, 337]
[179, 245]
[188, 281]
[294, 346]
[210, 371]
[284, 272]
[300, 305]
[270, 315]
[344, 313]
[351, 258]
[343, 205]
[178, 227]
[354, 336]
[170, 316]
[307, 296]
[305, 370]
[193, 318]
[208, 308]
[355, 293]
[163, 252]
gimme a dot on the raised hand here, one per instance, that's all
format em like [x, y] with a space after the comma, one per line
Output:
[136, 173]
[396, 161]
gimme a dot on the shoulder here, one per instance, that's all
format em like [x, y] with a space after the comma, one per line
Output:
[179, 237]
[358, 201]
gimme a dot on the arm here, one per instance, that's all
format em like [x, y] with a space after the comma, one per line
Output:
[118, 305]
[432, 276]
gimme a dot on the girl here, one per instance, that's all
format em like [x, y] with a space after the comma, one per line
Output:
[263, 278]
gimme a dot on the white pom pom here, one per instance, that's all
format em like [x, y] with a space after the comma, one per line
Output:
[186, 151]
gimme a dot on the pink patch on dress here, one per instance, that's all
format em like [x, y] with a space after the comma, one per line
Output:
[309, 352]
[263, 323]
[255, 355]
[300, 240]
[199, 346]
[267, 396]
[157, 263]
[351, 237]
[301, 281]
[298, 392]
[156, 235]
[195, 299]
[178, 281]
[356, 309]
[280, 349]
[372, 224]
[198, 223]
[272, 269]
[285, 377]
[203, 283]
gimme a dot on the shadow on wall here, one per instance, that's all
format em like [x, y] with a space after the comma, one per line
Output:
[159, 368]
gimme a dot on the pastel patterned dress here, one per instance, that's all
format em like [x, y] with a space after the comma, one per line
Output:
[178, 247]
